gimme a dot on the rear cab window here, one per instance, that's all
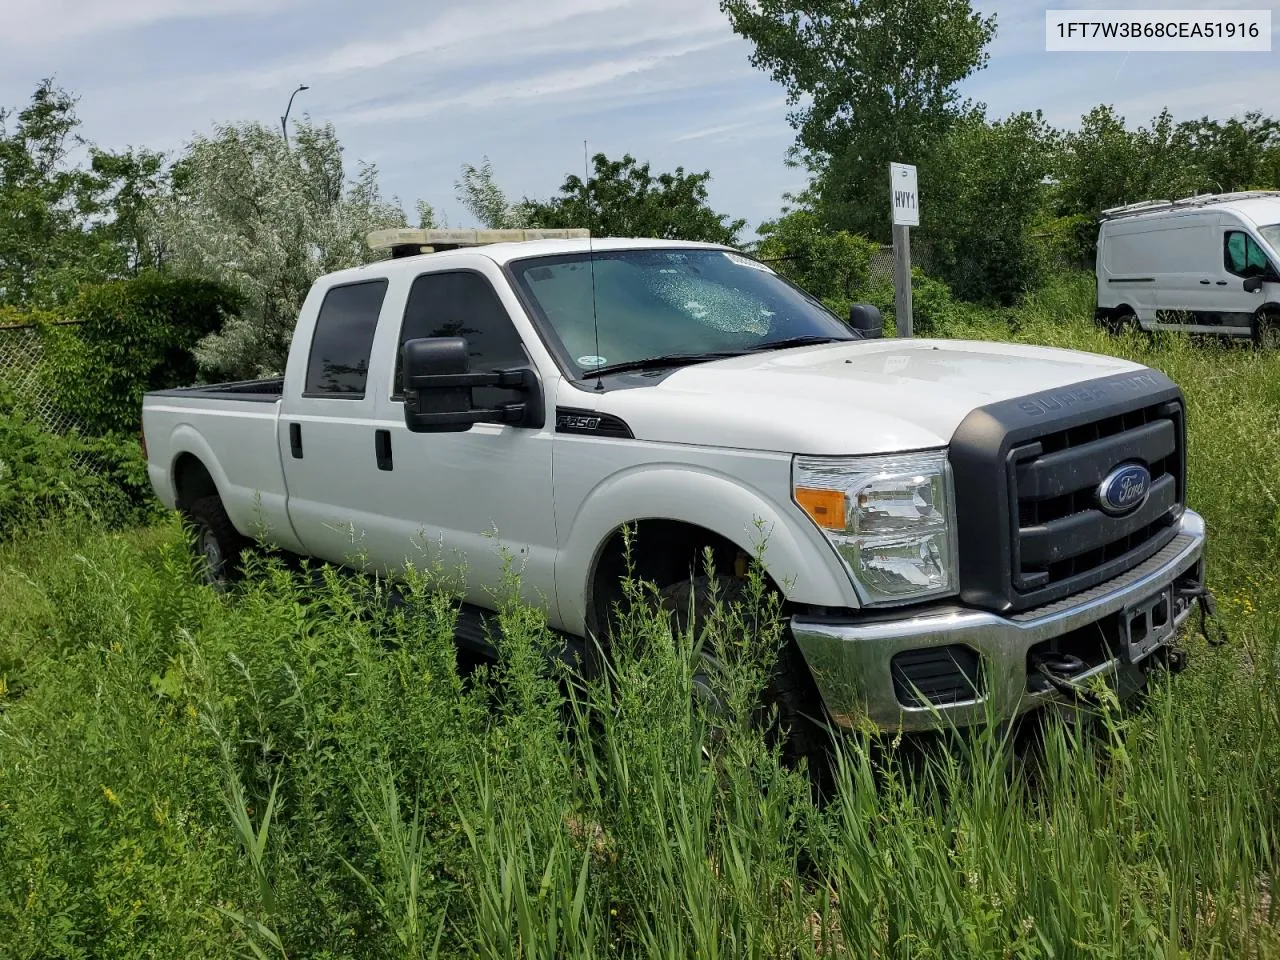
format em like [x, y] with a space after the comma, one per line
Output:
[338, 364]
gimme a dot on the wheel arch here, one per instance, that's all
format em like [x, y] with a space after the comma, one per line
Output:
[686, 506]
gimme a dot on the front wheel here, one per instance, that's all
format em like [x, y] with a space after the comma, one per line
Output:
[1117, 322]
[1266, 330]
[791, 690]
[216, 542]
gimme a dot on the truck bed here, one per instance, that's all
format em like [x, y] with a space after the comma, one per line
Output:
[253, 391]
[230, 431]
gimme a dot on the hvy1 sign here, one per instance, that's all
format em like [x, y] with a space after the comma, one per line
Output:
[906, 196]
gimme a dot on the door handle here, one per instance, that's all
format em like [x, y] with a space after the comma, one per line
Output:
[1205, 282]
[1222, 283]
[295, 440]
[382, 449]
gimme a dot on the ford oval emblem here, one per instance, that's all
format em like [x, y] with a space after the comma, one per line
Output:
[1124, 489]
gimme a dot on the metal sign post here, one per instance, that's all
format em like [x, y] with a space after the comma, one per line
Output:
[906, 214]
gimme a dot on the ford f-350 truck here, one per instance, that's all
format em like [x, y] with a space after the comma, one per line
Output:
[957, 529]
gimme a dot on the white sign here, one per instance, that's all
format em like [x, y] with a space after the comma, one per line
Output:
[906, 197]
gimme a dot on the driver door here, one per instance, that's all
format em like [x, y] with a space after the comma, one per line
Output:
[475, 504]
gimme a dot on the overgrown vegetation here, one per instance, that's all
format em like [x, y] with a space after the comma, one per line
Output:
[302, 769]
[131, 336]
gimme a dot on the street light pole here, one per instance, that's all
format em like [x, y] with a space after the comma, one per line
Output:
[284, 121]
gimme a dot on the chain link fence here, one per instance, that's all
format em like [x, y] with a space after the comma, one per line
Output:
[22, 370]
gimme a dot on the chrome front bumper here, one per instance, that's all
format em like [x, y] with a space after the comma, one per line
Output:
[850, 658]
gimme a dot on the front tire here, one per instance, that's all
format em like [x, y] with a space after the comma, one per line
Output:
[800, 716]
[1117, 322]
[216, 542]
[1266, 330]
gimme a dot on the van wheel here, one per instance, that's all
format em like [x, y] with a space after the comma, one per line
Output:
[1266, 330]
[216, 542]
[1118, 321]
[791, 690]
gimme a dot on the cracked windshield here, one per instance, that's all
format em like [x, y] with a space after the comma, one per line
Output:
[653, 303]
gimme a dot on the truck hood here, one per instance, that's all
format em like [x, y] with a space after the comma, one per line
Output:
[841, 399]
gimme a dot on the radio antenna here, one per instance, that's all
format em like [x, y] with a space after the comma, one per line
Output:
[591, 259]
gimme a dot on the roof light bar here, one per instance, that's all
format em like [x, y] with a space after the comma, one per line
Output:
[409, 243]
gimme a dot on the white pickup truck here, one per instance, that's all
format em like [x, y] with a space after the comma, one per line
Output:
[957, 529]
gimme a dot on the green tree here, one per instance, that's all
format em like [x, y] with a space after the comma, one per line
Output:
[126, 187]
[622, 198]
[870, 82]
[478, 191]
[267, 219]
[991, 190]
[1105, 164]
[62, 224]
[1240, 153]
[45, 247]
[832, 265]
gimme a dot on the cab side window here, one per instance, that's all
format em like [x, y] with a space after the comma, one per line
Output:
[338, 365]
[1244, 256]
[463, 304]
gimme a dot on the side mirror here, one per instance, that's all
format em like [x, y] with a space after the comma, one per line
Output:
[1252, 284]
[866, 319]
[438, 383]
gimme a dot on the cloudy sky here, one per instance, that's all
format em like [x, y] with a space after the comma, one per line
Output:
[421, 86]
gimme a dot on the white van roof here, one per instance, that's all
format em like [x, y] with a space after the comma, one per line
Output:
[1261, 207]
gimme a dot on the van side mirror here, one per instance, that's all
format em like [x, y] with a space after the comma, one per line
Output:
[438, 381]
[866, 319]
[1252, 284]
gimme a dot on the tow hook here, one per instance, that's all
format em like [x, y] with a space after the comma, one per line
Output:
[1058, 671]
[1211, 628]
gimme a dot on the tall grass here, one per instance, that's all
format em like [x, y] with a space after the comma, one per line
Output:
[303, 769]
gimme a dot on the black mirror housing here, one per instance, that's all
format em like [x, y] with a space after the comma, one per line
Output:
[866, 319]
[1252, 284]
[437, 389]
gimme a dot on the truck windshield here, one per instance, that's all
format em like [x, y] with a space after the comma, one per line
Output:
[668, 302]
[1271, 234]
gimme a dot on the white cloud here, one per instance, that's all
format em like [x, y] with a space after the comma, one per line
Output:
[555, 85]
[48, 23]
[497, 37]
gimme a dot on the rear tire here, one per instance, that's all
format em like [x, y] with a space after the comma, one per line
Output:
[216, 542]
[800, 719]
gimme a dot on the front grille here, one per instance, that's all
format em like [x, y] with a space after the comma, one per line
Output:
[1027, 472]
[1061, 536]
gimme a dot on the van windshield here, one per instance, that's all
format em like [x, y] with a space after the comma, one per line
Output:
[660, 302]
[1271, 234]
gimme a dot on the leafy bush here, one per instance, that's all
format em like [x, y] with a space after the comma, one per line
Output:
[133, 336]
[833, 267]
[46, 476]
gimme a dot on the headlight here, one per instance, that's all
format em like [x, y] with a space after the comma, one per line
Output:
[890, 518]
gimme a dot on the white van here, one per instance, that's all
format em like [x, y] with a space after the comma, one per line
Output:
[1206, 264]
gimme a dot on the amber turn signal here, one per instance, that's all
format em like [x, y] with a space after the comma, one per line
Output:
[826, 507]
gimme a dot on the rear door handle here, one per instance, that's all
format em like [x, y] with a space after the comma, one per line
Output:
[1205, 282]
[382, 449]
[295, 440]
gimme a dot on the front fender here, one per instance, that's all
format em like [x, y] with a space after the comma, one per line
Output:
[795, 554]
